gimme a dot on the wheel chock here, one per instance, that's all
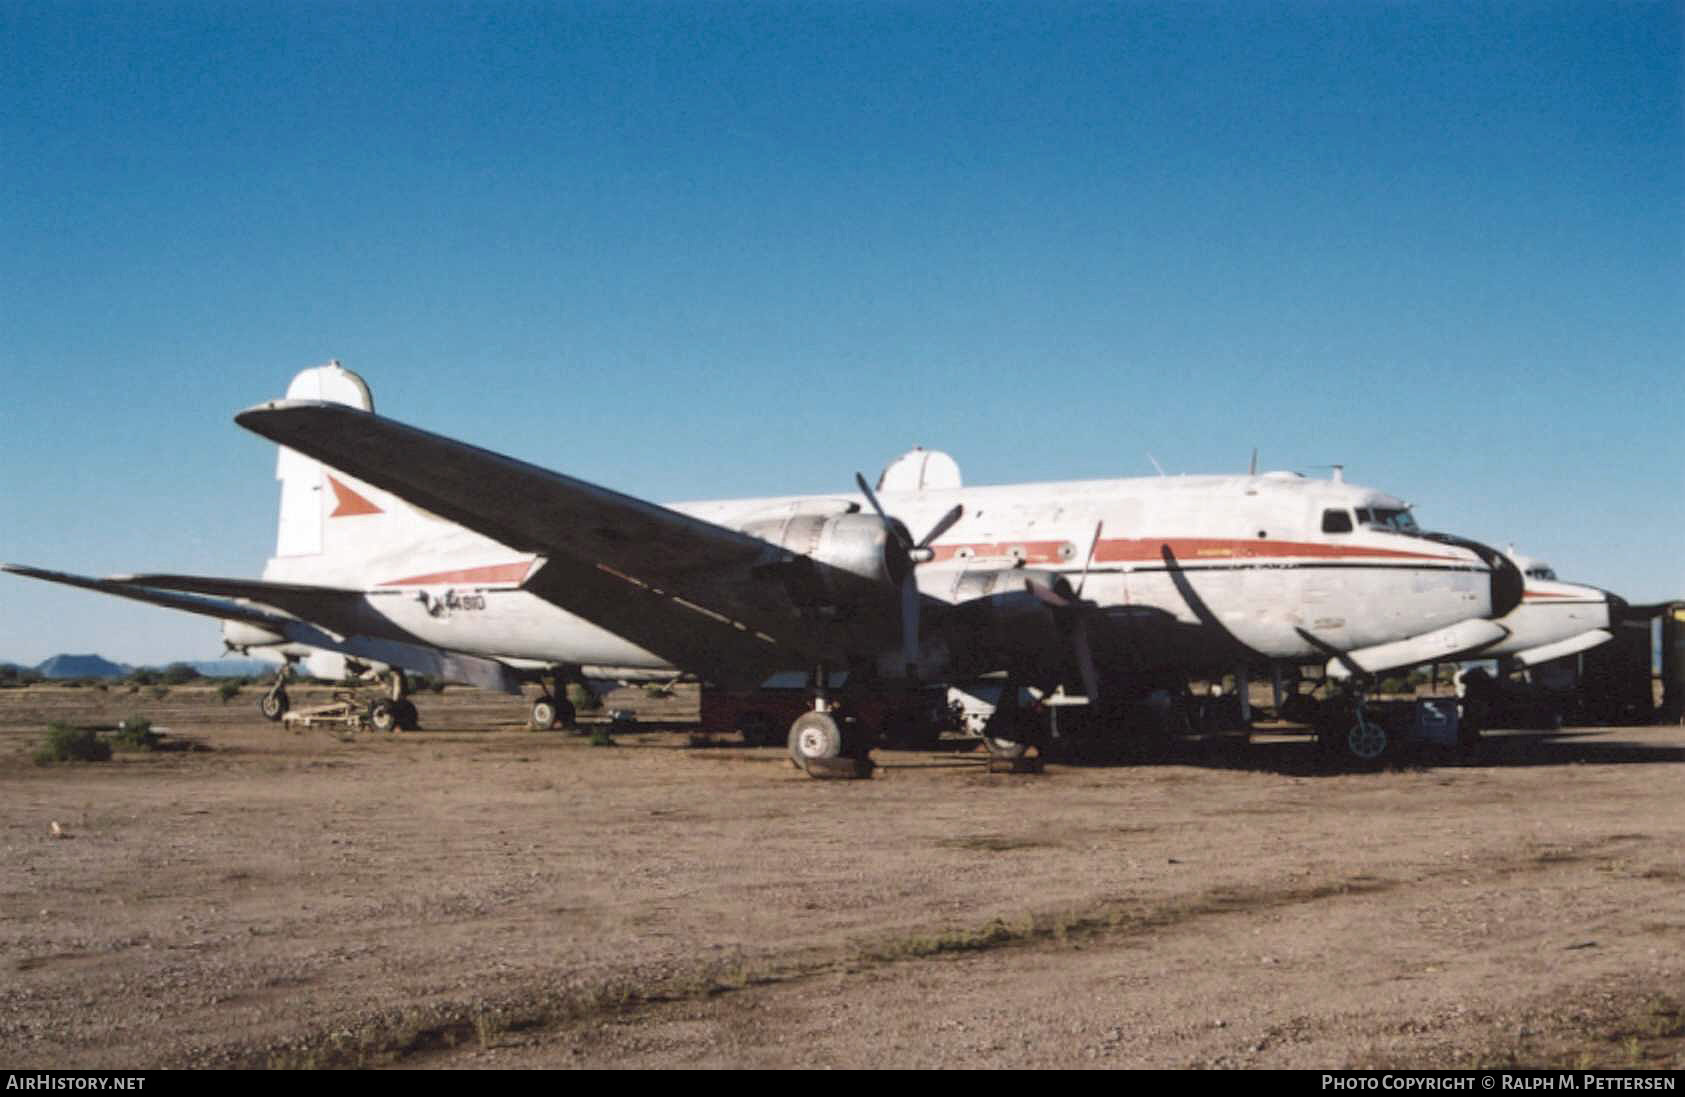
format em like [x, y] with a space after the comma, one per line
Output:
[839, 769]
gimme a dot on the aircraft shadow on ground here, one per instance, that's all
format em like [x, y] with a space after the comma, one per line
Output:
[1305, 758]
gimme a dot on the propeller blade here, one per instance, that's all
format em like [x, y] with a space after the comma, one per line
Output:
[894, 526]
[1048, 596]
[943, 525]
[1085, 658]
[1332, 652]
[1093, 546]
[910, 623]
[1201, 610]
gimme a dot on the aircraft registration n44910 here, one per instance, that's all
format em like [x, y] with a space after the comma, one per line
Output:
[414, 550]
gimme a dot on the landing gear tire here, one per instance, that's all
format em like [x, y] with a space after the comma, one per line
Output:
[545, 713]
[758, 730]
[565, 715]
[273, 705]
[815, 737]
[1008, 750]
[383, 715]
[408, 718]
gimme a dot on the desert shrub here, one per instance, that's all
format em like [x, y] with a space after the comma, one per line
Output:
[160, 692]
[227, 689]
[601, 738]
[71, 744]
[584, 700]
[143, 676]
[135, 733]
[179, 674]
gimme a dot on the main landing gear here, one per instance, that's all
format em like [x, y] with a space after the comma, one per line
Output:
[552, 709]
[821, 743]
[396, 712]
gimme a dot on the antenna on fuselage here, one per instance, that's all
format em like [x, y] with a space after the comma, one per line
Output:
[1252, 470]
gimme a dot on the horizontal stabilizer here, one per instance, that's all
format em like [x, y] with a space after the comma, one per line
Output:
[331, 607]
[220, 608]
[474, 670]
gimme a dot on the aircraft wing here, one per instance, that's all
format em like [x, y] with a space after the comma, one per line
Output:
[478, 671]
[691, 591]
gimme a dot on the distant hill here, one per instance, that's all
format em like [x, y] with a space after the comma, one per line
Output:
[97, 666]
[233, 668]
[80, 666]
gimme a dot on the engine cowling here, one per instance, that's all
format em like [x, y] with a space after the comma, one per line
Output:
[864, 546]
[242, 637]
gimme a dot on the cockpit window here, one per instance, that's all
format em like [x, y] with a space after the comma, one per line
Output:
[1541, 573]
[1336, 521]
[1397, 520]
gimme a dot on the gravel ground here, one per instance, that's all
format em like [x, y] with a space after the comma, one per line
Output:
[475, 894]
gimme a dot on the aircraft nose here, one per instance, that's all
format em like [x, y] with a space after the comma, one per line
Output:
[1508, 583]
[1507, 580]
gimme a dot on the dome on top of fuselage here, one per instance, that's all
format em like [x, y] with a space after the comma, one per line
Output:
[920, 469]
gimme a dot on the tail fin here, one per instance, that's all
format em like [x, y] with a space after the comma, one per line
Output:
[333, 527]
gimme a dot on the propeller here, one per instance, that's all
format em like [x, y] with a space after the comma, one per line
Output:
[1072, 612]
[914, 554]
[1202, 611]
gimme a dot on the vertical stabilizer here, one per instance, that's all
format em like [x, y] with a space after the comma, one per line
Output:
[303, 507]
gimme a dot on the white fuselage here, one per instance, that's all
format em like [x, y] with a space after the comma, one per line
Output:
[1266, 555]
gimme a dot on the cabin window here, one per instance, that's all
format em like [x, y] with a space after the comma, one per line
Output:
[1336, 521]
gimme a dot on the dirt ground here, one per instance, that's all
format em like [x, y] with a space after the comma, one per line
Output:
[475, 894]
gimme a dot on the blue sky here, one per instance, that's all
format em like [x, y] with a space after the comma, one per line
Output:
[712, 249]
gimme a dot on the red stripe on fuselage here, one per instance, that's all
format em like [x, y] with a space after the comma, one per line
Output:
[491, 573]
[1188, 550]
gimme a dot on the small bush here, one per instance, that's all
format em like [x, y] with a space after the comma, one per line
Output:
[584, 700]
[601, 738]
[135, 733]
[72, 744]
[160, 692]
[227, 689]
[179, 674]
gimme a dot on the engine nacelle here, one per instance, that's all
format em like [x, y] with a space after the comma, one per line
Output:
[242, 637]
[862, 545]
